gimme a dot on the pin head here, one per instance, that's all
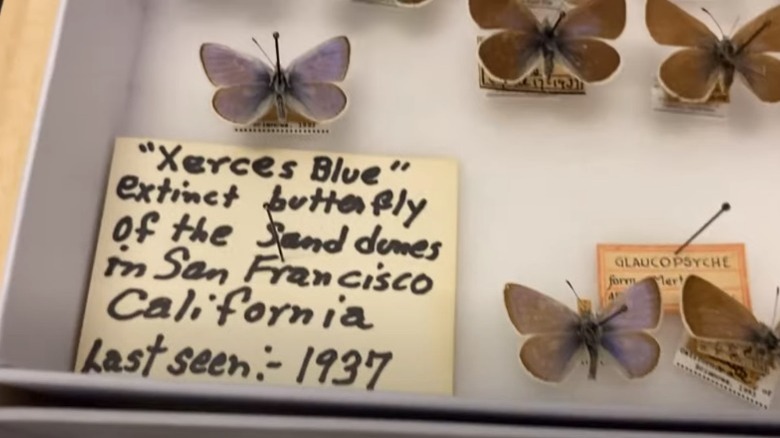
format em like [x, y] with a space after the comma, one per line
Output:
[276, 35]
[726, 206]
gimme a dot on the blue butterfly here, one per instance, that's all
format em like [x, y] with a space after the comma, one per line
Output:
[248, 88]
[557, 333]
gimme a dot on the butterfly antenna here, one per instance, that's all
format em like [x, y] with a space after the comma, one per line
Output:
[715, 21]
[572, 289]
[774, 312]
[261, 49]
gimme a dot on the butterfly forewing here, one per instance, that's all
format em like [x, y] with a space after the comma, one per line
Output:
[768, 40]
[643, 304]
[549, 357]
[595, 18]
[712, 314]
[532, 312]
[328, 62]
[226, 67]
[636, 352]
[503, 14]
[671, 25]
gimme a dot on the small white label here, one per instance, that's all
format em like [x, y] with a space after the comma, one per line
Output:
[716, 108]
[290, 128]
[734, 379]
[534, 85]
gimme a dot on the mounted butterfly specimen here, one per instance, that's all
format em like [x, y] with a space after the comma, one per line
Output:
[248, 88]
[573, 38]
[711, 314]
[707, 62]
[556, 333]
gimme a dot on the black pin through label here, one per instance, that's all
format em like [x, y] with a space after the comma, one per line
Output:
[274, 232]
[723, 208]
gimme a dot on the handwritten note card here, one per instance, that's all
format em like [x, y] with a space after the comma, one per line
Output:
[188, 283]
[620, 266]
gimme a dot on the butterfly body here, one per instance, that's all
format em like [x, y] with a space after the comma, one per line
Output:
[765, 340]
[280, 85]
[728, 56]
[590, 332]
[556, 333]
[547, 45]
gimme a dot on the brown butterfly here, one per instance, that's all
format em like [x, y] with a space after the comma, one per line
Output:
[572, 39]
[710, 314]
[693, 73]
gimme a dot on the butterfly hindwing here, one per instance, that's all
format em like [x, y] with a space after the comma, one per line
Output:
[549, 357]
[243, 104]
[589, 59]
[636, 352]
[494, 50]
[317, 101]
[690, 74]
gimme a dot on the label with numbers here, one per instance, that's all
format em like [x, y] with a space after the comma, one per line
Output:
[739, 381]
